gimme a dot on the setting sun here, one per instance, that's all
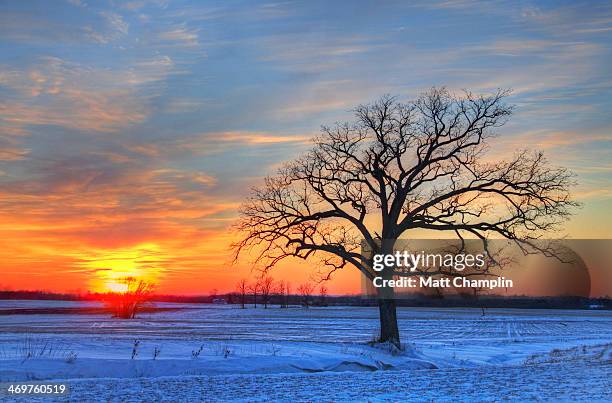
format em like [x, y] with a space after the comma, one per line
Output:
[112, 286]
[110, 267]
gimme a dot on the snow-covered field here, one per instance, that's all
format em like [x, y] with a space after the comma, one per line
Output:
[212, 352]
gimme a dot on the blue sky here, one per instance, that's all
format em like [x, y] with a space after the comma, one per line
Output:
[114, 112]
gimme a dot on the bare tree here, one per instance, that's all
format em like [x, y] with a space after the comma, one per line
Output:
[287, 293]
[254, 288]
[267, 288]
[242, 288]
[125, 305]
[281, 294]
[403, 167]
[323, 295]
[305, 291]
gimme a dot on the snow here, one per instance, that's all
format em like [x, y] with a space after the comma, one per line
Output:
[316, 353]
[553, 382]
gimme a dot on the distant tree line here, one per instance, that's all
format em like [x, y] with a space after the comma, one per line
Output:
[289, 299]
[266, 291]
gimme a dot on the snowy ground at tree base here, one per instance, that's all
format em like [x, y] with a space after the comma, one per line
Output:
[219, 353]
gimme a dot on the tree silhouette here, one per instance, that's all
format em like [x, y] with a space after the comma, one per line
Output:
[397, 168]
[323, 295]
[125, 305]
[305, 291]
[254, 288]
[266, 288]
[242, 289]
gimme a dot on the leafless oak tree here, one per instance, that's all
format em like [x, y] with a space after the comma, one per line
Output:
[254, 288]
[305, 291]
[266, 289]
[287, 294]
[242, 288]
[281, 293]
[323, 295]
[397, 168]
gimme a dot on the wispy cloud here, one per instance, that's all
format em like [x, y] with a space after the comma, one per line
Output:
[61, 93]
[115, 22]
[179, 35]
[184, 105]
[212, 143]
[312, 52]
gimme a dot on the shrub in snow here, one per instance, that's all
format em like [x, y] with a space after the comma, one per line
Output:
[71, 357]
[156, 352]
[196, 353]
[135, 348]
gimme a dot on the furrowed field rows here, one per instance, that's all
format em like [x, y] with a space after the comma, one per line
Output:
[328, 325]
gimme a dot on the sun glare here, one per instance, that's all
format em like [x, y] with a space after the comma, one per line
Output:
[113, 286]
[111, 267]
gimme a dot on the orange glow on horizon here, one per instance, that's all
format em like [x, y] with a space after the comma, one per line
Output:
[75, 243]
[109, 268]
[177, 260]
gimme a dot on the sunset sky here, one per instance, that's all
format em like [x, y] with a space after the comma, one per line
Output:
[130, 132]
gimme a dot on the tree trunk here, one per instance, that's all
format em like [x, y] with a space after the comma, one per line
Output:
[389, 331]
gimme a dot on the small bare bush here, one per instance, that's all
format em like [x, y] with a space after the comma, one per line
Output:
[195, 354]
[156, 352]
[135, 348]
[70, 357]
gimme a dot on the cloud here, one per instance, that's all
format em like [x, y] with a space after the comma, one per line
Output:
[256, 138]
[112, 28]
[219, 142]
[566, 148]
[12, 154]
[214, 143]
[531, 67]
[183, 105]
[129, 201]
[11, 138]
[91, 212]
[569, 20]
[116, 22]
[593, 194]
[540, 48]
[139, 4]
[60, 93]
[453, 4]
[555, 141]
[179, 35]
[308, 52]
[77, 3]
[324, 96]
